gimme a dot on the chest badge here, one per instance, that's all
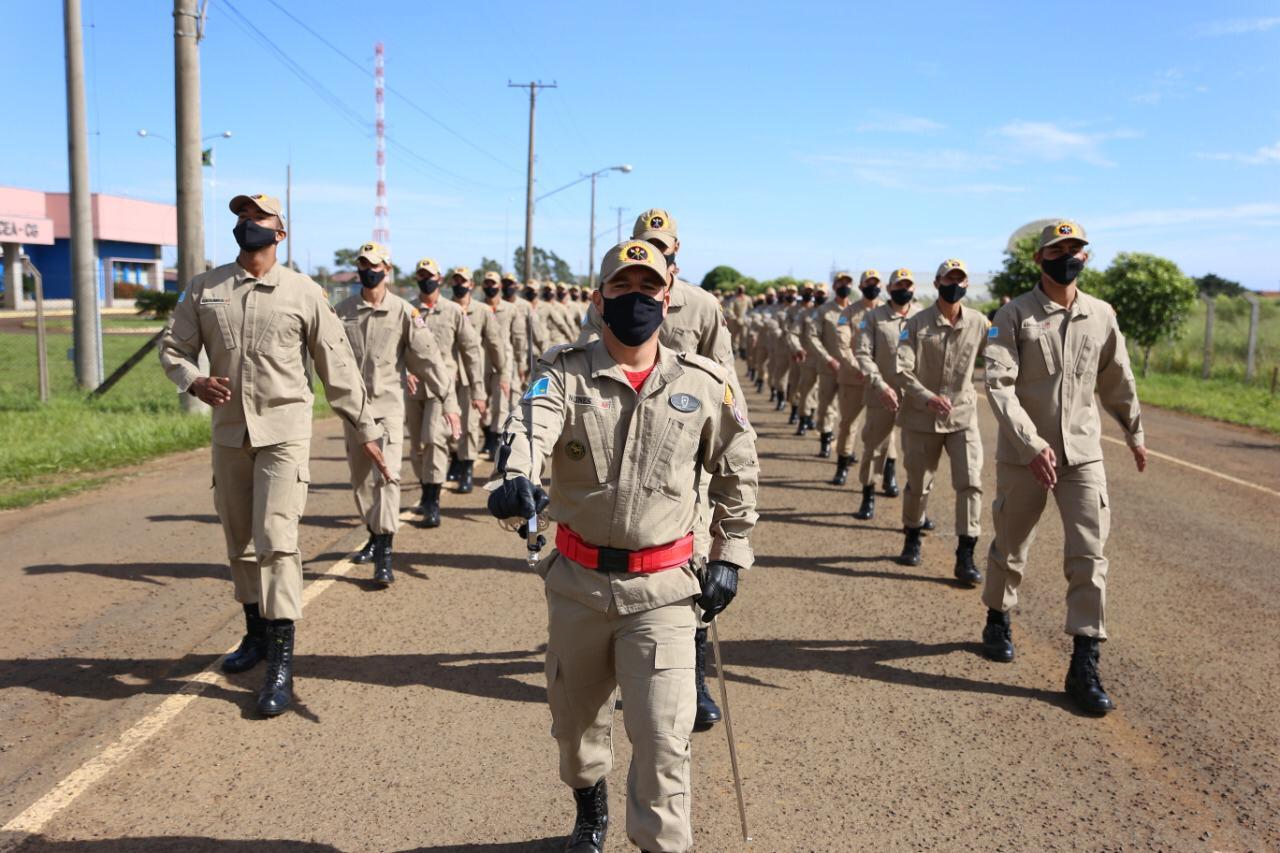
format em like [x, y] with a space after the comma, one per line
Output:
[574, 450]
[684, 403]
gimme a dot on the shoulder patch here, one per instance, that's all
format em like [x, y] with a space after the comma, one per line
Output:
[862, 324]
[843, 321]
[419, 320]
[539, 388]
[904, 335]
[182, 296]
[709, 365]
[993, 332]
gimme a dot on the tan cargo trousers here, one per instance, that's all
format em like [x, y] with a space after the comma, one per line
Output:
[259, 494]
[377, 499]
[828, 388]
[650, 656]
[851, 406]
[804, 393]
[921, 453]
[428, 439]
[1082, 500]
[468, 446]
[879, 442]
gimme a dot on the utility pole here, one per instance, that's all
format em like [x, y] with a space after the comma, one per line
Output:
[187, 31]
[528, 195]
[619, 210]
[86, 321]
[288, 215]
[591, 244]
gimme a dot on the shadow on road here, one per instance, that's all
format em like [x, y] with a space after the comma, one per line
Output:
[152, 573]
[829, 566]
[308, 520]
[189, 844]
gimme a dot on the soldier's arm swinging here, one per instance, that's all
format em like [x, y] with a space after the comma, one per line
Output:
[1001, 383]
[1118, 392]
[422, 357]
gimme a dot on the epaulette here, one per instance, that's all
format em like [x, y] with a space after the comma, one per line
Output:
[711, 366]
[550, 356]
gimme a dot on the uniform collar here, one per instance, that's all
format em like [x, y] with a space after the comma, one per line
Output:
[270, 278]
[962, 319]
[1078, 307]
[381, 308]
[679, 298]
[665, 369]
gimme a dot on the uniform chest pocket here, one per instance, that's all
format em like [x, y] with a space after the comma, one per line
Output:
[1036, 351]
[584, 452]
[1087, 357]
[215, 324]
[281, 334]
[671, 472]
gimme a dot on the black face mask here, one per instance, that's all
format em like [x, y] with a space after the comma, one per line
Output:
[529, 294]
[843, 290]
[428, 286]
[633, 317]
[371, 278]
[769, 300]
[548, 295]
[1063, 270]
[952, 292]
[788, 299]
[490, 291]
[805, 298]
[509, 291]
[251, 236]
[871, 291]
[901, 297]
[819, 298]
[461, 290]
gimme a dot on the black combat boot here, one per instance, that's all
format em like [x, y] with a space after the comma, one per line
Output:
[890, 482]
[382, 573]
[910, 555]
[824, 451]
[365, 554]
[277, 691]
[465, 482]
[430, 504]
[782, 402]
[867, 511]
[1084, 685]
[253, 645]
[928, 524]
[795, 416]
[592, 822]
[842, 471]
[759, 386]
[751, 373]
[803, 426]
[708, 713]
[997, 638]
[966, 571]
[454, 466]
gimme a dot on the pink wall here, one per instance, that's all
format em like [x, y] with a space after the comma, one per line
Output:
[114, 217]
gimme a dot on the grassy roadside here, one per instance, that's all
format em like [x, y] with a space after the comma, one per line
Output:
[1220, 399]
[65, 446]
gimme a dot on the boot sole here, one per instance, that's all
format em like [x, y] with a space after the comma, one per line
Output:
[704, 727]
[998, 658]
[270, 714]
[902, 562]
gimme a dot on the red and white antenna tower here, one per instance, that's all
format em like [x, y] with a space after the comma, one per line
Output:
[381, 223]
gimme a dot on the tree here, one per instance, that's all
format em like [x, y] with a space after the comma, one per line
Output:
[1151, 296]
[721, 278]
[1019, 272]
[546, 264]
[487, 265]
[1211, 284]
[345, 259]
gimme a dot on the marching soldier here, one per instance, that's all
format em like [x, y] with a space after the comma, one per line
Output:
[851, 382]
[937, 354]
[433, 424]
[389, 338]
[560, 326]
[736, 314]
[621, 585]
[794, 321]
[521, 327]
[694, 324]
[876, 350]
[824, 347]
[495, 362]
[255, 319]
[780, 351]
[807, 389]
[500, 383]
[1051, 350]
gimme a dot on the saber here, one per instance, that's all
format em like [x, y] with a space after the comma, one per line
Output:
[535, 540]
[728, 730]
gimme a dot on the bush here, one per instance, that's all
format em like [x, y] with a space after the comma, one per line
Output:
[156, 303]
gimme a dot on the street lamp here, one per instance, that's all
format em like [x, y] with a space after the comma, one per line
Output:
[212, 164]
[591, 247]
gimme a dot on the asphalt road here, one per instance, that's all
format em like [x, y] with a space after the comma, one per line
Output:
[865, 715]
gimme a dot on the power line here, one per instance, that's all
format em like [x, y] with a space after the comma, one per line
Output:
[391, 89]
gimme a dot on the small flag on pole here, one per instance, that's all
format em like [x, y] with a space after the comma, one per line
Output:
[206, 157]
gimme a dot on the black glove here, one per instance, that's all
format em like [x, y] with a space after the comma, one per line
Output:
[719, 585]
[517, 498]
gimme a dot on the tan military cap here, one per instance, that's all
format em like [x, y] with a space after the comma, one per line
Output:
[902, 274]
[510, 276]
[1061, 230]
[492, 276]
[949, 265]
[655, 223]
[822, 286]
[840, 275]
[374, 253]
[265, 203]
[867, 275]
[429, 265]
[465, 272]
[633, 253]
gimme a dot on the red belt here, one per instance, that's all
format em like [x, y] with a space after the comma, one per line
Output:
[659, 558]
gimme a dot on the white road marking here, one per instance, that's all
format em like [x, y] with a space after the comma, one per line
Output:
[1199, 468]
[36, 816]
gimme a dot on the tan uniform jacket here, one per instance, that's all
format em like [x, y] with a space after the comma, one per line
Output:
[846, 327]
[694, 323]
[624, 465]
[459, 347]
[504, 315]
[1044, 364]
[823, 339]
[494, 352]
[792, 320]
[256, 332]
[875, 346]
[559, 325]
[387, 340]
[521, 340]
[935, 357]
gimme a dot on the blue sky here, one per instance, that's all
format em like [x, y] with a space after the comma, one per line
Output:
[784, 138]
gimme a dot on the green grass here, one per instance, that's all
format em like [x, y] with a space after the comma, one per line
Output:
[109, 321]
[63, 446]
[1221, 399]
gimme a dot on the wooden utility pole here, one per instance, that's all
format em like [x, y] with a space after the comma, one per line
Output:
[187, 31]
[528, 194]
[1208, 336]
[86, 320]
[1250, 365]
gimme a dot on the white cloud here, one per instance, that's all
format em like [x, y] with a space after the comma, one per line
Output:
[1257, 213]
[1239, 26]
[919, 171]
[1047, 141]
[1264, 156]
[895, 123]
